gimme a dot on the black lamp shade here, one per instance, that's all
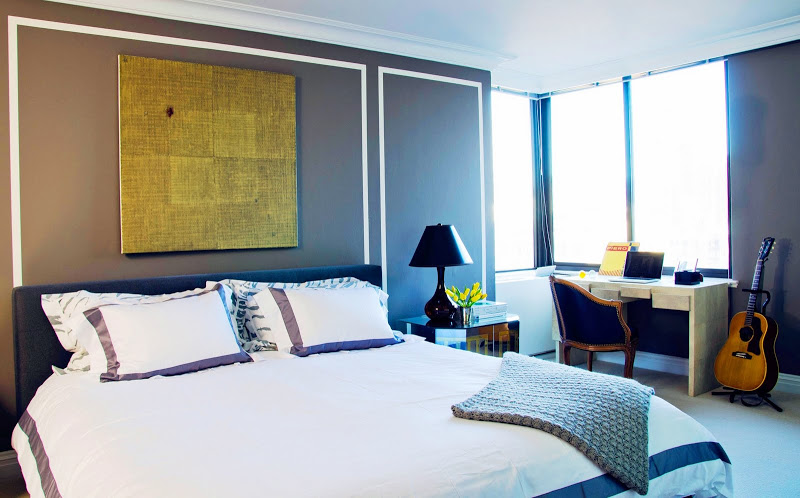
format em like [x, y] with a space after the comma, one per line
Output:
[440, 245]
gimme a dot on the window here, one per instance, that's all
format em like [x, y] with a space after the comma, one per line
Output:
[680, 164]
[513, 181]
[677, 198]
[587, 154]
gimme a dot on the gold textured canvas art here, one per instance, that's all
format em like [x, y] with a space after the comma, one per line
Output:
[207, 157]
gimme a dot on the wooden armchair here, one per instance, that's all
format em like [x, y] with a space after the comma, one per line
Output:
[591, 324]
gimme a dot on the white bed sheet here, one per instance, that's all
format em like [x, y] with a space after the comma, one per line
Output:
[363, 423]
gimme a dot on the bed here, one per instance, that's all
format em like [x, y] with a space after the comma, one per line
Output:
[368, 422]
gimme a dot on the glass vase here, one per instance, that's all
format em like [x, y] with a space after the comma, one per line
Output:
[464, 315]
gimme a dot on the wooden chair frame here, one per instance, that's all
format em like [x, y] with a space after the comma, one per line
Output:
[628, 347]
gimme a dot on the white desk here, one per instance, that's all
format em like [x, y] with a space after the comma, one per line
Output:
[707, 304]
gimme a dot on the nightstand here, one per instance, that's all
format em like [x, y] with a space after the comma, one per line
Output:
[491, 337]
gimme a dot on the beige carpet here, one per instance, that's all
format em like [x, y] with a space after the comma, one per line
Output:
[761, 443]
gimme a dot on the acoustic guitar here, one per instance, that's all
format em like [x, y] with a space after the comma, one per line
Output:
[747, 361]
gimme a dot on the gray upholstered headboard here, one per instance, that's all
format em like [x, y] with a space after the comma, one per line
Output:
[36, 346]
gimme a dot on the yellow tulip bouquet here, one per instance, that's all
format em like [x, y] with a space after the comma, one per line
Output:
[468, 297]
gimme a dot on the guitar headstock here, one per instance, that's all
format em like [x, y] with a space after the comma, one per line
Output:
[766, 247]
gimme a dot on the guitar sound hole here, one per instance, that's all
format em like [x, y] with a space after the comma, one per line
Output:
[746, 333]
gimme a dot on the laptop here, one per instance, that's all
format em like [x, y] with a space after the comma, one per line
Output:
[642, 267]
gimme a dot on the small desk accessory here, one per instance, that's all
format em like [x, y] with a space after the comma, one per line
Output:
[642, 267]
[544, 271]
[688, 277]
[614, 258]
[686, 273]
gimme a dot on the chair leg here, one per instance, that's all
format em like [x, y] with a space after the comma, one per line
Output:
[629, 356]
[565, 354]
[589, 356]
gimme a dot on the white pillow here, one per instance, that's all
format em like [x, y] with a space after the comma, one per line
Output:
[61, 308]
[307, 320]
[137, 341]
[243, 308]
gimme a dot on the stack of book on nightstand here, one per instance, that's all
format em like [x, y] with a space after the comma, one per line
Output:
[487, 310]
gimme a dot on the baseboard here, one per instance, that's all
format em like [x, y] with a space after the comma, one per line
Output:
[650, 361]
[788, 383]
[9, 466]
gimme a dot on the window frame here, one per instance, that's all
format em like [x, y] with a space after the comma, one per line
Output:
[534, 185]
[545, 252]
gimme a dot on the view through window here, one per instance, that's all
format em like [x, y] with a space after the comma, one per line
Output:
[513, 181]
[678, 134]
[587, 155]
[680, 164]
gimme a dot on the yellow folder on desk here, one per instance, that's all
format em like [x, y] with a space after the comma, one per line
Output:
[614, 258]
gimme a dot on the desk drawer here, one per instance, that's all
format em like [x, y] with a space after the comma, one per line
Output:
[606, 293]
[671, 302]
[635, 292]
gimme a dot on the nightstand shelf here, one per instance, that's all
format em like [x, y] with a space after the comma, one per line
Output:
[491, 337]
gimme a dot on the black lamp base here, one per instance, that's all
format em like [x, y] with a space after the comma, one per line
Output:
[439, 308]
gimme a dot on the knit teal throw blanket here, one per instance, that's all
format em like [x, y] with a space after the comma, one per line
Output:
[603, 416]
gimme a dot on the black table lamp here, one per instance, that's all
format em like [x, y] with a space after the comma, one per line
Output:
[440, 246]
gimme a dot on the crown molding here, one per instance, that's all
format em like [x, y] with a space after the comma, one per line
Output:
[506, 70]
[752, 38]
[275, 22]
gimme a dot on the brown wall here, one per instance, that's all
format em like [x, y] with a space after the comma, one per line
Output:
[68, 100]
[69, 156]
[763, 109]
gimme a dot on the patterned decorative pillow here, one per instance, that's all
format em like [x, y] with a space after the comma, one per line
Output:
[243, 308]
[61, 308]
[78, 362]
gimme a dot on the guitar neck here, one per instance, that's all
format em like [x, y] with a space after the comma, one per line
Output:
[751, 303]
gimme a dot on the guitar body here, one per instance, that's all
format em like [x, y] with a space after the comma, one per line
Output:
[747, 361]
[772, 357]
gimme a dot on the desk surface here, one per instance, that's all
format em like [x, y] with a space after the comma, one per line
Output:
[667, 282]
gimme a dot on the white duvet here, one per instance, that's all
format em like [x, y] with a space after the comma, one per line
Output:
[364, 423]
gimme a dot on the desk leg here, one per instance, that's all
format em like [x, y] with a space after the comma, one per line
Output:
[554, 334]
[708, 330]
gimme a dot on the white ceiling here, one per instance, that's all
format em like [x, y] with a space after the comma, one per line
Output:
[533, 45]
